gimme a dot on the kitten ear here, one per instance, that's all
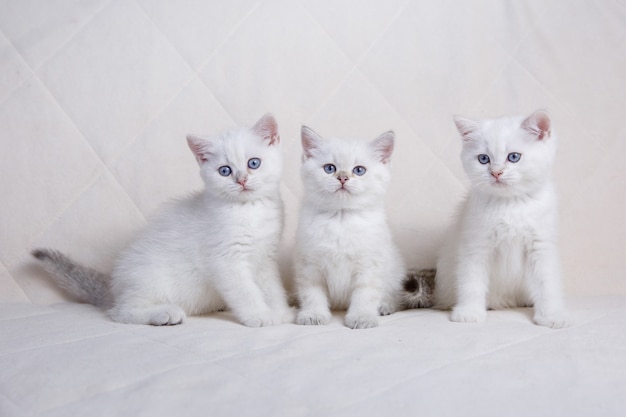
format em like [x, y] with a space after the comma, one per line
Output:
[200, 147]
[538, 124]
[310, 141]
[466, 127]
[383, 146]
[267, 128]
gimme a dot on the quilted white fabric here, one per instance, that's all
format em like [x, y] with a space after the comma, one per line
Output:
[96, 98]
[70, 360]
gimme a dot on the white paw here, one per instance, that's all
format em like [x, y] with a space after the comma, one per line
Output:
[386, 309]
[287, 315]
[553, 321]
[468, 315]
[262, 319]
[170, 315]
[364, 321]
[311, 318]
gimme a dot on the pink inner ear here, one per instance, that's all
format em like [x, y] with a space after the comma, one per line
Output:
[384, 146]
[310, 141]
[199, 147]
[267, 128]
[538, 124]
[467, 128]
[307, 147]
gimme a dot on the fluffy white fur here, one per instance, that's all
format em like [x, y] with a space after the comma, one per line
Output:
[345, 257]
[502, 252]
[214, 250]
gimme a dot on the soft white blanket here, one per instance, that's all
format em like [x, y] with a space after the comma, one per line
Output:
[71, 360]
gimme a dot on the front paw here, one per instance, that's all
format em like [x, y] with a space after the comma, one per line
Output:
[386, 309]
[312, 318]
[262, 319]
[167, 315]
[287, 315]
[468, 315]
[364, 321]
[553, 321]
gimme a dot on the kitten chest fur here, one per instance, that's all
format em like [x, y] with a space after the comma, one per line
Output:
[198, 253]
[341, 243]
[505, 232]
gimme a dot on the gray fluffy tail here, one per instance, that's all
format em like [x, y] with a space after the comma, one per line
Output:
[83, 282]
[418, 287]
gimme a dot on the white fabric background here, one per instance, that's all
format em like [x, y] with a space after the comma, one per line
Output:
[96, 98]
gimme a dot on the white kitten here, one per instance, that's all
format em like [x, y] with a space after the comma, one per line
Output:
[345, 257]
[503, 252]
[216, 249]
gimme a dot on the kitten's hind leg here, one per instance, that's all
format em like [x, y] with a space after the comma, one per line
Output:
[386, 308]
[390, 304]
[155, 315]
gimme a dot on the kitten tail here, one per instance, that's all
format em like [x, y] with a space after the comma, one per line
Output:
[85, 283]
[418, 287]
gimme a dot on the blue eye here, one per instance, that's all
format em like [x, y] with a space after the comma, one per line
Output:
[483, 159]
[514, 157]
[224, 171]
[359, 170]
[329, 168]
[254, 163]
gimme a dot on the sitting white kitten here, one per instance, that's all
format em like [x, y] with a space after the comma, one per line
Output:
[216, 249]
[503, 252]
[345, 257]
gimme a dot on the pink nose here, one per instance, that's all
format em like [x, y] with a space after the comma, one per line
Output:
[496, 174]
[343, 178]
[242, 181]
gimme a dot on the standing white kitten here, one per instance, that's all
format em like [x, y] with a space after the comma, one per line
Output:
[345, 257]
[216, 249]
[502, 252]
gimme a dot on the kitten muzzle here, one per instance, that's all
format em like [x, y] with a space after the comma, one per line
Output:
[242, 181]
[343, 177]
[496, 174]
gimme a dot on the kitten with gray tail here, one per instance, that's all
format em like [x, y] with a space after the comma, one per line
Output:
[216, 249]
[345, 258]
[502, 252]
